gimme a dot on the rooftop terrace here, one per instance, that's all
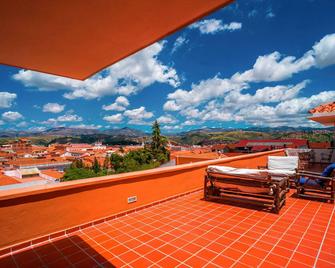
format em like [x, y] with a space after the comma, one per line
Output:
[190, 232]
[89, 223]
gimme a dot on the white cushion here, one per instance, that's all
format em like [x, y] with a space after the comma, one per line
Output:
[283, 162]
[245, 172]
[281, 172]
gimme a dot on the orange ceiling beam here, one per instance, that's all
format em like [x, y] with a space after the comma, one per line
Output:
[78, 38]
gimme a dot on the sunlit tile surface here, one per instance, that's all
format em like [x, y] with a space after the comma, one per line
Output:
[190, 232]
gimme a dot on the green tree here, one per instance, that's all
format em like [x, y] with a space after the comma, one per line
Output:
[77, 163]
[106, 165]
[116, 161]
[96, 166]
[159, 144]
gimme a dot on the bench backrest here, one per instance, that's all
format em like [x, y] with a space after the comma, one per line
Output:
[283, 162]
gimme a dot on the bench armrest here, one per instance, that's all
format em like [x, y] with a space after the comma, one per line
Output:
[308, 172]
[314, 176]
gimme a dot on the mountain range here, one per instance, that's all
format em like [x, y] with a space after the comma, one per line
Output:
[131, 132]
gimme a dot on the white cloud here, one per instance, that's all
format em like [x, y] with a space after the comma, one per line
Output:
[288, 113]
[190, 123]
[120, 104]
[125, 77]
[84, 126]
[170, 128]
[37, 129]
[11, 116]
[137, 116]
[268, 68]
[180, 41]
[233, 26]
[116, 118]
[274, 67]
[270, 14]
[69, 117]
[7, 99]
[22, 124]
[2, 122]
[205, 90]
[212, 26]
[324, 51]
[167, 119]
[53, 108]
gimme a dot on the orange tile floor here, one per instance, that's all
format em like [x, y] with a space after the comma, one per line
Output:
[190, 232]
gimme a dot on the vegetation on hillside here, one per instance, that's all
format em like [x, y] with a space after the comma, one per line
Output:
[202, 138]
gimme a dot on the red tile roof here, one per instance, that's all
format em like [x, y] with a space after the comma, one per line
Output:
[35, 161]
[287, 142]
[319, 145]
[5, 180]
[53, 173]
[324, 108]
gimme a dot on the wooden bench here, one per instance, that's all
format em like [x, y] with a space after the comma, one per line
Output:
[247, 184]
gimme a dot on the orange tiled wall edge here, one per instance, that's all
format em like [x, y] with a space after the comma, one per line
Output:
[29, 213]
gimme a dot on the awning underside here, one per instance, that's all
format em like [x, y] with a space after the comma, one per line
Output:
[79, 38]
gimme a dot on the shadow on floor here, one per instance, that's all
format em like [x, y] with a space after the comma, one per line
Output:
[242, 203]
[314, 197]
[66, 252]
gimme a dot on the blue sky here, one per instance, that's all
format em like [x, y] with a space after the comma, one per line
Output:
[253, 63]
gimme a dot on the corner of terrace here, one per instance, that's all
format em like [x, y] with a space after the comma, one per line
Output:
[89, 223]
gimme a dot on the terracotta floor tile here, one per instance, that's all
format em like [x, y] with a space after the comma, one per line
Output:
[307, 260]
[155, 256]
[181, 255]
[118, 250]
[266, 264]
[240, 265]
[294, 264]
[216, 247]
[60, 263]
[168, 262]
[141, 263]
[276, 259]
[287, 253]
[196, 262]
[116, 262]
[223, 261]
[192, 248]
[129, 256]
[327, 257]
[240, 246]
[250, 260]
[143, 249]
[167, 249]
[324, 264]
[259, 253]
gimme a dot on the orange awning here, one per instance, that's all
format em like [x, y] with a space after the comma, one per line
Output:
[324, 114]
[78, 38]
[326, 119]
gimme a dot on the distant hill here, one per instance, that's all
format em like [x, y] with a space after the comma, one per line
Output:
[72, 132]
[253, 129]
[126, 131]
[207, 136]
[65, 131]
